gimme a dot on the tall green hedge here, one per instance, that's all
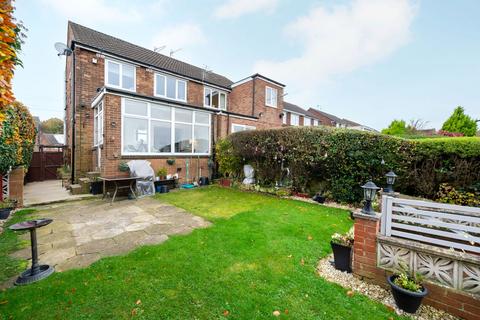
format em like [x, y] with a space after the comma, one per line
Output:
[339, 161]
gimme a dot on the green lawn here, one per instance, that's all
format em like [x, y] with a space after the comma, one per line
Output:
[259, 256]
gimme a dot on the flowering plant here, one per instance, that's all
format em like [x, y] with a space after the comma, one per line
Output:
[344, 239]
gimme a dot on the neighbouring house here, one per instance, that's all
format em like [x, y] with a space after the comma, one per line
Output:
[327, 119]
[298, 116]
[126, 102]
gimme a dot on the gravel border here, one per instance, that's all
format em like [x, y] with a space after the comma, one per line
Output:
[326, 270]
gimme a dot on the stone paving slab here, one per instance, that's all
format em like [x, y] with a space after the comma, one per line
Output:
[85, 231]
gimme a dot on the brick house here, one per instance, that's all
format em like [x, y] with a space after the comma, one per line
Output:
[126, 102]
[329, 120]
[297, 116]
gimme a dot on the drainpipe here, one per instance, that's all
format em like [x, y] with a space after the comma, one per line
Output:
[73, 115]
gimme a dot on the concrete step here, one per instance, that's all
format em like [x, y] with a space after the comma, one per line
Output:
[76, 189]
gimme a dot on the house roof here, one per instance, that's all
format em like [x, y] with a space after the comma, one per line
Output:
[108, 44]
[294, 108]
[50, 139]
[319, 113]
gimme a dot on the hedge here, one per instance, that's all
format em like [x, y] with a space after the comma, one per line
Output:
[17, 136]
[338, 161]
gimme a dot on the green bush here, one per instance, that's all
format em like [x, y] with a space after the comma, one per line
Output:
[342, 160]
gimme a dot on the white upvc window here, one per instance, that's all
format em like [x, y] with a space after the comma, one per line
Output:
[294, 119]
[271, 97]
[98, 125]
[214, 98]
[167, 86]
[315, 122]
[158, 129]
[120, 75]
[241, 127]
[306, 121]
[284, 118]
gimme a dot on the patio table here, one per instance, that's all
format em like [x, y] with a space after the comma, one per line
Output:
[120, 183]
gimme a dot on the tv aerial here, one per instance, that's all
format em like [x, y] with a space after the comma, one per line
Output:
[62, 49]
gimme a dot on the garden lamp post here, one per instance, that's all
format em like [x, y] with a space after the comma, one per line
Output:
[391, 176]
[369, 194]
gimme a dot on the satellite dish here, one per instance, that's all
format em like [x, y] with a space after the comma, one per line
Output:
[62, 49]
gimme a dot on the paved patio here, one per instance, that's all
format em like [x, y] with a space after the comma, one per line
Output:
[48, 191]
[84, 231]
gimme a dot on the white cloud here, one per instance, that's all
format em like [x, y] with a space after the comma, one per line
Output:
[340, 39]
[236, 8]
[94, 11]
[183, 36]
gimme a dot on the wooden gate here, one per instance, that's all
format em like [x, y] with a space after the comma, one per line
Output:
[45, 163]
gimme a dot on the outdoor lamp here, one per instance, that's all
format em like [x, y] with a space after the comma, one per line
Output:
[390, 181]
[369, 193]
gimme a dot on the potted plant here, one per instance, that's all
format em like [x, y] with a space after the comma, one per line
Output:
[162, 173]
[170, 162]
[342, 250]
[407, 289]
[6, 206]
[123, 167]
[96, 186]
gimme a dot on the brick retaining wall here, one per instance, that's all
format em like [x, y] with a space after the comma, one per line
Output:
[364, 264]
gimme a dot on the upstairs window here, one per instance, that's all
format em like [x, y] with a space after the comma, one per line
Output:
[170, 87]
[294, 119]
[119, 75]
[214, 98]
[271, 97]
[306, 121]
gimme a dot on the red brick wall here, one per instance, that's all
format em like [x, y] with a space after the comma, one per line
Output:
[365, 266]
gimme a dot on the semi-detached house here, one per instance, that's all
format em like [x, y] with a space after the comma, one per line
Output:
[126, 102]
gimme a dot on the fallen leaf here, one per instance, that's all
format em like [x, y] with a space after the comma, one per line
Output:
[309, 237]
[286, 311]
[134, 311]
[349, 293]
[302, 262]
[73, 290]
[289, 256]
[4, 302]
[226, 313]
[276, 313]
[391, 308]
[138, 302]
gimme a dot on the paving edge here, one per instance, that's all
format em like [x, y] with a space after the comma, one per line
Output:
[82, 197]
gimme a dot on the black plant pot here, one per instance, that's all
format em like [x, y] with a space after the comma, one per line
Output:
[96, 187]
[406, 300]
[342, 256]
[5, 213]
[319, 198]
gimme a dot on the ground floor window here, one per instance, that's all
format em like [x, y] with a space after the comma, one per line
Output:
[151, 128]
[294, 119]
[241, 127]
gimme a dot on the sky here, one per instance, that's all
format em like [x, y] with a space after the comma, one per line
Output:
[370, 61]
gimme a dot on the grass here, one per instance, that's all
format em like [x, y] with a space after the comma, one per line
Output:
[259, 256]
[9, 243]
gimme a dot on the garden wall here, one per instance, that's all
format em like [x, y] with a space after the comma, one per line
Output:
[338, 161]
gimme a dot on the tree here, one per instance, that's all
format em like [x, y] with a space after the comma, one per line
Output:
[396, 127]
[460, 122]
[52, 125]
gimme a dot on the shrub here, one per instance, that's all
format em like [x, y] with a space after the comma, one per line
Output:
[229, 163]
[17, 137]
[341, 160]
[460, 122]
[448, 194]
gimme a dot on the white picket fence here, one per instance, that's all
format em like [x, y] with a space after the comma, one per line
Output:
[444, 225]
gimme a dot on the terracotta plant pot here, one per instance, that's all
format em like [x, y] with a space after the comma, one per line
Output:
[342, 256]
[225, 182]
[406, 300]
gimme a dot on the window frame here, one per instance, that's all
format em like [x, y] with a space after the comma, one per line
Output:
[309, 121]
[296, 117]
[220, 92]
[98, 134]
[120, 86]
[244, 126]
[315, 122]
[172, 122]
[177, 80]
[271, 89]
